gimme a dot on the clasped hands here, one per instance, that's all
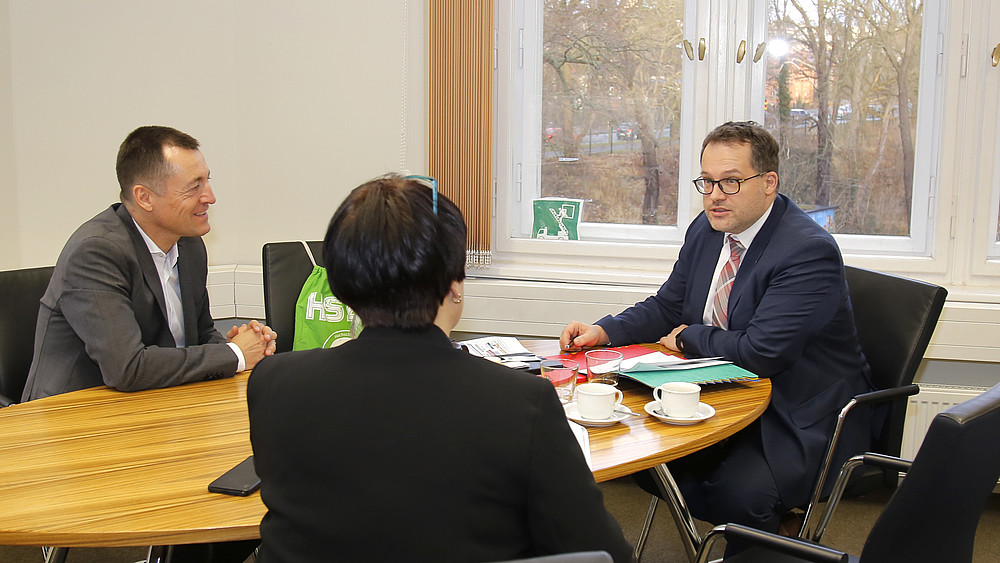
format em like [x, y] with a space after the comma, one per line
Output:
[577, 336]
[255, 339]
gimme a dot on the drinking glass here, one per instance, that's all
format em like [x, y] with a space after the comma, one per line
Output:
[603, 366]
[562, 374]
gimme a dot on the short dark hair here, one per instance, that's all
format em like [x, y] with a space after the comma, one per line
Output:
[140, 157]
[389, 257]
[763, 148]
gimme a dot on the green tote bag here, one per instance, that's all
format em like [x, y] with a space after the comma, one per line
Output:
[321, 320]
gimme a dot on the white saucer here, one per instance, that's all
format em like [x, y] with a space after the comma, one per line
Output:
[704, 412]
[573, 414]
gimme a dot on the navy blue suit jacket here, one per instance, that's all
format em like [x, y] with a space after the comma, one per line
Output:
[790, 320]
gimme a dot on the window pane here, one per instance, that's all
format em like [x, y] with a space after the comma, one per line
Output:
[611, 95]
[842, 84]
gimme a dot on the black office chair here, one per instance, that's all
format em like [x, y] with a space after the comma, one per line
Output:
[20, 293]
[286, 267]
[895, 318]
[933, 514]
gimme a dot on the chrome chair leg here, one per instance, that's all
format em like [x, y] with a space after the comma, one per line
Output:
[55, 554]
[641, 542]
[157, 554]
[669, 491]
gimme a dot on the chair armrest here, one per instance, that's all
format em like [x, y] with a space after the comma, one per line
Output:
[862, 399]
[575, 557]
[795, 547]
[887, 394]
[870, 458]
[886, 462]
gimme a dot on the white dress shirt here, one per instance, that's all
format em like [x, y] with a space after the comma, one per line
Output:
[166, 269]
[746, 239]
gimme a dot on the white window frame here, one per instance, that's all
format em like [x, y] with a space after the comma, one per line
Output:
[714, 90]
[927, 151]
[983, 85]
[526, 144]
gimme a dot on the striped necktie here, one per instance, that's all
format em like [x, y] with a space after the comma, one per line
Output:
[720, 305]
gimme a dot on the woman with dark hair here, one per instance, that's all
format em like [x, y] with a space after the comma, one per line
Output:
[397, 446]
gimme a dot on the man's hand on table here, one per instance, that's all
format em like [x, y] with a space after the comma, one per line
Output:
[670, 340]
[255, 339]
[577, 336]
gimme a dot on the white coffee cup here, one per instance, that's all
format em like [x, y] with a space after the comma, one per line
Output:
[678, 399]
[597, 401]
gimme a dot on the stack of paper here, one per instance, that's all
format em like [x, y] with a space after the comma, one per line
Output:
[583, 438]
[658, 361]
[505, 350]
[656, 368]
[496, 346]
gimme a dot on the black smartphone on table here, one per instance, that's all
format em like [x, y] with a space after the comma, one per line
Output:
[241, 480]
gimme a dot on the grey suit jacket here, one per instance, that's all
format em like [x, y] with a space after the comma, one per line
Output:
[102, 319]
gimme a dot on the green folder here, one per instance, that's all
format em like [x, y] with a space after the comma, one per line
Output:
[710, 374]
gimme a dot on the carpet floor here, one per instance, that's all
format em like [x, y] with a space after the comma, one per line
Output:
[628, 503]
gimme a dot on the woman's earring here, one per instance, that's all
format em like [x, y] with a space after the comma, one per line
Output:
[456, 298]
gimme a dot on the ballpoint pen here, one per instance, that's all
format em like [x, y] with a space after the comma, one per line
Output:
[513, 356]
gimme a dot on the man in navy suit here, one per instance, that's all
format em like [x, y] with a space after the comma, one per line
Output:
[762, 285]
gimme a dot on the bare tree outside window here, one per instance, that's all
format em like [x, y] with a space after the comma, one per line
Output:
[611, 100]
[842, 100]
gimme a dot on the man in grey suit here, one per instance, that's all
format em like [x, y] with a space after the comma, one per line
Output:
[127, 306]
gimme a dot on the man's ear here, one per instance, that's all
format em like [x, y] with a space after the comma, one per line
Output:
[771, 179]
[143, 197]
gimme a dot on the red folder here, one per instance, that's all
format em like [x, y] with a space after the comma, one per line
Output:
[630, 351]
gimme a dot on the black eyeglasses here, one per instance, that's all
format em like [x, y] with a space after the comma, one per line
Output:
[430, 183]
[729, 186]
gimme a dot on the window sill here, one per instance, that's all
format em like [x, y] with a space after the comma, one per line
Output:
[969, 329]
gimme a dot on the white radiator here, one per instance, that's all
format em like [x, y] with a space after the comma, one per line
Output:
[921, 408]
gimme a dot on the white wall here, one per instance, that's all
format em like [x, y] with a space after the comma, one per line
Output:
[294, 102]
[10, 249]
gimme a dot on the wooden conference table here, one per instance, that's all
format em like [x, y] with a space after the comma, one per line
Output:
[98, 467]
[639, 443]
